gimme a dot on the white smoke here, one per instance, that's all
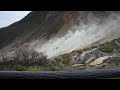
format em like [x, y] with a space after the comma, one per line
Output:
[82, 36]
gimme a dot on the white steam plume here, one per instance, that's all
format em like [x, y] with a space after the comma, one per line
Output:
[82, 36]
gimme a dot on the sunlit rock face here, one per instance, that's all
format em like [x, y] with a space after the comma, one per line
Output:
[54, 33]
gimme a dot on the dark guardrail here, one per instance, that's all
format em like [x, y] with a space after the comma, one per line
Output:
[94, 74]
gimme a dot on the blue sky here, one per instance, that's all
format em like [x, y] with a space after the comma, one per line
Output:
[9, 17]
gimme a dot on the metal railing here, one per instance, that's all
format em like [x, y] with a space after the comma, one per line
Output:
[94, 74]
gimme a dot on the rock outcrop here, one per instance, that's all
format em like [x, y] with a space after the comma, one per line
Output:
[99, 60]
[88, 56]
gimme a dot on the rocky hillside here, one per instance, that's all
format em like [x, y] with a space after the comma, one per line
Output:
[61, 40]
[36, 25]
[104, 56]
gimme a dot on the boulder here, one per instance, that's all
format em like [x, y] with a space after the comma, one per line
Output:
[106, 62]
[87, 56]
[73, 60]
[76, 65]
[117, 43]
[99, 60]
[90, 60]
[101, 66]
[113, 61]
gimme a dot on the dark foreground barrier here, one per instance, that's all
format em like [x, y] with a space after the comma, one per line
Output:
[96, 74]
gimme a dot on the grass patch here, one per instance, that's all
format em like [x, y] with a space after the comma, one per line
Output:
[35, 69]
[20, 68]
[46, 68]
[66, 61]
[109, 47]
[54, 68]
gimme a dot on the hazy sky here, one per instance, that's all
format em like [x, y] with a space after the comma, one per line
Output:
[9, 17]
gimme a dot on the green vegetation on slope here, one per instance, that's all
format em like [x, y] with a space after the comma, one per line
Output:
[109, 47]
[66, 60]
[20, 68]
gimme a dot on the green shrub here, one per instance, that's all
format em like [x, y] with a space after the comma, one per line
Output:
[35, 69]
[20, 68]
[66, 60]
[54, 68]
[109, 47]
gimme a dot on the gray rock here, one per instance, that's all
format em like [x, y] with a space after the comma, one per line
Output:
[90, 60]
[100, 60]
[88, 55]
[101, 66]
[76, 65]
[73, 60]
[61, 64]
[117, 43]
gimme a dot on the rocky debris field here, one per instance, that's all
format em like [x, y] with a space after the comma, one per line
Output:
[104, 56]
